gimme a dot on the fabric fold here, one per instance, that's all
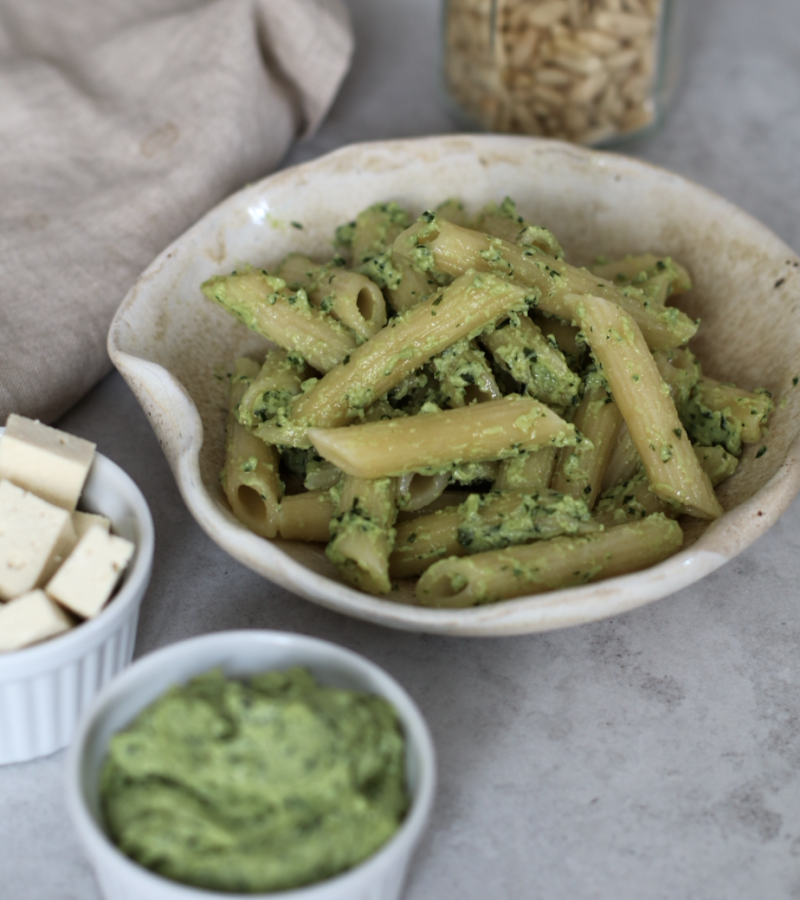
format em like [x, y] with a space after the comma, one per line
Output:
[117, 136]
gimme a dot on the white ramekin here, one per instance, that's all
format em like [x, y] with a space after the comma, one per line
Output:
[44, 689]
[242, 653]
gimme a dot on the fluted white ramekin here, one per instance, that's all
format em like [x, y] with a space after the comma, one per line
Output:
[239, 654]
[45, 688]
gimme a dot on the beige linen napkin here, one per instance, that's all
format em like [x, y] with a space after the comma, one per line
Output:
[121, 123]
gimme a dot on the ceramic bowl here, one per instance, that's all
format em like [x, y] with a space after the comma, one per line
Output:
[171, 344]
[45, 688]
[242, 653]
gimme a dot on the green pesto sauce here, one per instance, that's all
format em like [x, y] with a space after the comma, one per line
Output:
[534, 517]
[256, 786]
[708, 427]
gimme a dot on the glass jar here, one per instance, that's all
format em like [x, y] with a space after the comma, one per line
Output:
[588, 71]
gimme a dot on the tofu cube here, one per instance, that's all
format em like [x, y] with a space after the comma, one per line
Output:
[90, 573]
[34, 536]
[31, 618]
[49, 463]
[83, 521]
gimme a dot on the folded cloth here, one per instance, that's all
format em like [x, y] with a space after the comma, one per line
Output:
[122, 123]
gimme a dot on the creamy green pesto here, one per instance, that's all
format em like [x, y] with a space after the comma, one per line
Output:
[256, 786]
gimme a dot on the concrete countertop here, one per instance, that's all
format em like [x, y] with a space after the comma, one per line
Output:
[655, 755]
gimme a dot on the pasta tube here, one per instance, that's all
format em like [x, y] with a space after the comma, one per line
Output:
[306, 517]
[348, 296]
[250, 478]
[415, 491]
[519, 347]
[504, 222]
[271, 390]
[492, 520]
[485, 431]
[264, 304]
[362, 535]
[436, 243]
[716, 462]
[529, 472]
[624, 461]
[628, 501]
[460, 311]
[579, 470]
[751, 409]
[657, 277]
[546, 566]
[644, 401]
[464, 375]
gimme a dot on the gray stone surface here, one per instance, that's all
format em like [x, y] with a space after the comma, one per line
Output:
[652, 756]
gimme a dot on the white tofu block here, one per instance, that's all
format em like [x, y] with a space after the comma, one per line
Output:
[88, 577]
[49, 463]
[83, 521]
[31, 618]
[32, 535]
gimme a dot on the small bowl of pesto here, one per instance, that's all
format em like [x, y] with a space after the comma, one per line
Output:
[253, 763]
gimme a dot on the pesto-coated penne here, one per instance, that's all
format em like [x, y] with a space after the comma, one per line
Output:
[549, 565]
[580, 469]
[415, 491]
[306, 517]
[716, 462]
[440, 440]
[504, 222]
[520, 348]
[657, 277]
[462, 310]
[629, 501]
[439, 244]
[624, 461]
[270, 392]
[482, 522]
[464, 375]
[264, 304]
[645, 403]
[528, 424]
[348, 296]
[751, 409]
[250, 477]
[362, 533]
[529, 472]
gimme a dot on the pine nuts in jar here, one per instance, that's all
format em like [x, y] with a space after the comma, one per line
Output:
[588, 71]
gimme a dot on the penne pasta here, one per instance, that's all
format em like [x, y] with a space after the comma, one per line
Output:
[484, 522]
[348, 296]
[504, 222]
[415, 491]
[436, 243]
[454, 401]
[528, 472]
[362, 533]
[306, 517]
[464, 375]
[624, 461]
[520, 348]
[645, 403]
[250, 477]
[558, 563]
[434, 441]
[579, 471]
[270, 392]
[462, 310]
[264, 304]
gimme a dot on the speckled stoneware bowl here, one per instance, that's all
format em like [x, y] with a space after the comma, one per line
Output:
[170, 343]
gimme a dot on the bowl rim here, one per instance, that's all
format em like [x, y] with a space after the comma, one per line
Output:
[203, 653]
[522, 615]
[17, 665]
